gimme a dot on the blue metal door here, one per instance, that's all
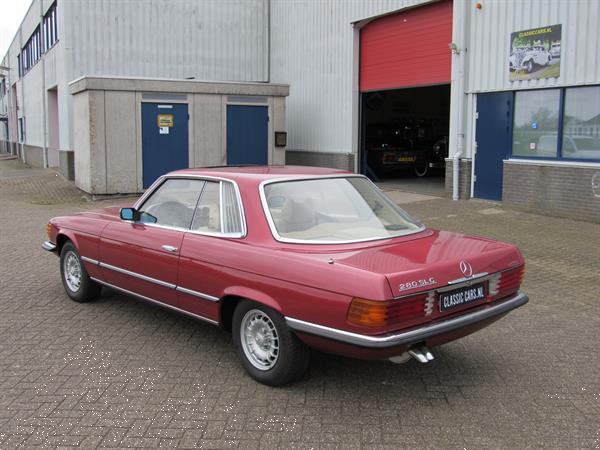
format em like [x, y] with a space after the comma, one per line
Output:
[164, 139]
[494, 142]
[247, 134]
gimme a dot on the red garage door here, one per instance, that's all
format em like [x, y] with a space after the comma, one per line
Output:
[407, 49]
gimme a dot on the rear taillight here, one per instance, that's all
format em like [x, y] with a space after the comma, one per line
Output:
[372, 313]
[503, 284]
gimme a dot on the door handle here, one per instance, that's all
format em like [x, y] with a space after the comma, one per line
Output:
[169, 248]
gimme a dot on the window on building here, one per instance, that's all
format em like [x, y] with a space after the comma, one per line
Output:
[581, 139]
[535, 128]
[50, 28]
[31, 52]
[538, 115]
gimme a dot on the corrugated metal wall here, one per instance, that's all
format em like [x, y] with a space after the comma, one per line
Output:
[210, 40]
[489, 41]
[312, 50]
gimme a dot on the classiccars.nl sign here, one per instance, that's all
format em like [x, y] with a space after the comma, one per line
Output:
[535, 53]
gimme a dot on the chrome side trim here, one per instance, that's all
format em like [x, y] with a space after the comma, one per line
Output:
[137, 275]
[210, 298]
[154, 280]
[90, 260]
[49, 246]
[156, 302]
[412, 336]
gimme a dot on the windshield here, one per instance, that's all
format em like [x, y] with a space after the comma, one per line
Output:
[334, 210]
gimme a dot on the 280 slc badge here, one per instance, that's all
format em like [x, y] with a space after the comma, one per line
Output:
[417, 283]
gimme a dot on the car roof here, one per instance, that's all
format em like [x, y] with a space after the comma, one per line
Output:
[260, 173]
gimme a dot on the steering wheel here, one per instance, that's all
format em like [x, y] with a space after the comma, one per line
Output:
[172, 213]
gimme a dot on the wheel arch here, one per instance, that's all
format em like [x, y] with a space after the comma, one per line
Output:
[62, 237]
[233, 295]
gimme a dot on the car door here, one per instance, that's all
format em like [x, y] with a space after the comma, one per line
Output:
[215, 235]
[143, 256]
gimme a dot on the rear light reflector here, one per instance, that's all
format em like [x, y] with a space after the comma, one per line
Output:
[372, 313]
[503, 284]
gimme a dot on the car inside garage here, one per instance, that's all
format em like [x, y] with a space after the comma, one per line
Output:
[405, 133]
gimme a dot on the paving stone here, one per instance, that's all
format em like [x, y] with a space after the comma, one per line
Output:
[118, 373]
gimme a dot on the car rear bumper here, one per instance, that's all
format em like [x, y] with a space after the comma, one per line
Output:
[49, 246]
[483, 314]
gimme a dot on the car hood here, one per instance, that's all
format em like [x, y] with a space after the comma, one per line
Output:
[108, 213]
[433, 260]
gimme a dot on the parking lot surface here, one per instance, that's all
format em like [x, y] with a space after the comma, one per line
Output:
[121, 373]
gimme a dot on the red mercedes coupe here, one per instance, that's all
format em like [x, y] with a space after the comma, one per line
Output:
[288, 258]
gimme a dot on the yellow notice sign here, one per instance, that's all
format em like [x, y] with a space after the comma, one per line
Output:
[165, 120]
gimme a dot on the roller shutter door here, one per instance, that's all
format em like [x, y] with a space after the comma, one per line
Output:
[407, 49]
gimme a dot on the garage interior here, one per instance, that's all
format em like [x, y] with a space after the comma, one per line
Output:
[404, 84]
[405, 136]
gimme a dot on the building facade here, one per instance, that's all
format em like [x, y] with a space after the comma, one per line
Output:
[508, 92]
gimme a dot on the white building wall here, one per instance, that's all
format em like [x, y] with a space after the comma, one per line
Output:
[211, 40]
[489, 41]
[312, 45]
[207, 40]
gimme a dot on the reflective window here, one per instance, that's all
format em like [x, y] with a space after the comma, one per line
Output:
[581, 123]
[535, 128]
[173, 203]
[335, 210]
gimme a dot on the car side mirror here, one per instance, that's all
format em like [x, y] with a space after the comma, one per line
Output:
[127, 214]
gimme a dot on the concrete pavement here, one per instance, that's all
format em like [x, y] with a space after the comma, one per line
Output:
[120, 373]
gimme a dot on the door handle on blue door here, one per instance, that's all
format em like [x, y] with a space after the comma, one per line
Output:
[169, 248]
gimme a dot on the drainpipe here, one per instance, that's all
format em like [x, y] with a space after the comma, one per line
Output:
[460, 32]
[44, 109]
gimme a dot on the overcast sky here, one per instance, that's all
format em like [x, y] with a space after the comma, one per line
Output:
[11, 15]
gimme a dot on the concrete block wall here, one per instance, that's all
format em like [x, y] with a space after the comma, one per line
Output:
[570, 191]
[107, 125]
[464, 175]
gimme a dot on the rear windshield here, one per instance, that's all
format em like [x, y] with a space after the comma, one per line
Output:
[334, 210]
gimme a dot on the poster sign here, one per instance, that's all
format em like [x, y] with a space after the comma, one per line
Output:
[165, 120]
[535, 53]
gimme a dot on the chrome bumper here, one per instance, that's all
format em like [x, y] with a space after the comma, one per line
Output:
[49, 246]
[412, 336]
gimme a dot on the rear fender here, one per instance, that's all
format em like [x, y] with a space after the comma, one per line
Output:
[254, 295]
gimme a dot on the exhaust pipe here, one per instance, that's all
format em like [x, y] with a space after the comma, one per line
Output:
[418, 352]
[421, 354]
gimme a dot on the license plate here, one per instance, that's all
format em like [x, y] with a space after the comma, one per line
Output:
[406, 159]
[463, 296]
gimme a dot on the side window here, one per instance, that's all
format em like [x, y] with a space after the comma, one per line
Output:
[173, 202]
[208, 211]
[218, 210]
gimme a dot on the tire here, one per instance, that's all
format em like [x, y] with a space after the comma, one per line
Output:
[422, 168]
[76, 281]
[529, 66]
[281, 358]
